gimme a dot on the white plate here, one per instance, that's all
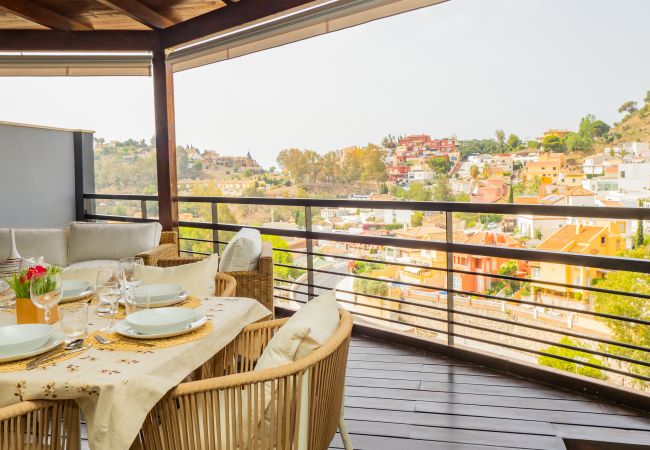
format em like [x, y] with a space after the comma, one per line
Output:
[123, 328]
[23, 338]
[55, 340]
[72, 288]
[161, 320]
[160, 292]
[162, 303]
[77, 297]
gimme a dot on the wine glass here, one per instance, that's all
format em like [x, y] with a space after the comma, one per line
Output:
[109, 294]
[46, 291]
[105, 275]
[127, 271]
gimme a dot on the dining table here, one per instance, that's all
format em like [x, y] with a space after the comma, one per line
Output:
[116, 386]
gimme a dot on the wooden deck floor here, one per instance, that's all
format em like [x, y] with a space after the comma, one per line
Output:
[403, 398]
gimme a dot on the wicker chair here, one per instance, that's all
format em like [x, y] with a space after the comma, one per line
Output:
[168, 248]
[219, 412]
[257, 284]
[42, 425]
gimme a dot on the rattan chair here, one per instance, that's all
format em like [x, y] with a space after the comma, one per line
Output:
[227, 411]
[168, 248]
[257, 284]
[226, 286]
[42, 425]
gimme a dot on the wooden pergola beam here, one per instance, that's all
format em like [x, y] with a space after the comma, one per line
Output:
[102, 40]
[233, 15]
[163, 86]
[43, 16]
[139, 12]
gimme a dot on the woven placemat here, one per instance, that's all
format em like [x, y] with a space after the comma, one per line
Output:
[22, 364]
[123, 343]
[189, 302]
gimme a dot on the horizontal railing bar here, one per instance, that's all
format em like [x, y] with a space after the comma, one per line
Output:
[575, 259]
[480, 316]
[195, 253]
[153, 198]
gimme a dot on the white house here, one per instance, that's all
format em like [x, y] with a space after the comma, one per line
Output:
[593, 165]
[528, 224]
[633, 176]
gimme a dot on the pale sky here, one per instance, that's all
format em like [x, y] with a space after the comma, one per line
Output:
[465, 67]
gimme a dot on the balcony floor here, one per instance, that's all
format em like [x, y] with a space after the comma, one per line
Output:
[403, 398]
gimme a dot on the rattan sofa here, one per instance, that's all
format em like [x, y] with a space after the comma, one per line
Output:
[257, 284]
[46, 425]
[220, 412]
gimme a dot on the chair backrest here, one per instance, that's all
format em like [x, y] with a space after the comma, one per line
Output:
[235, 403]
[48, 425]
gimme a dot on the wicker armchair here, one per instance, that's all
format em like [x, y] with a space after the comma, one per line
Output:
[225, 285]
[223, 411]
[168, 248]
[257, 284]
[46, 425]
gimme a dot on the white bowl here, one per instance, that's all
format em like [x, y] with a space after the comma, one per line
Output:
[73, 288]
[23, 338]
[161, 320]
[159, 292]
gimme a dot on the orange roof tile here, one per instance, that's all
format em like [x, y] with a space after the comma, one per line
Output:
[527, 200]
[569, 239]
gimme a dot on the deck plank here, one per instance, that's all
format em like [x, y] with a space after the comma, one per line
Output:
[398, 397]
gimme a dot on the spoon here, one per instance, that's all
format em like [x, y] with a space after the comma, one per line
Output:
[71, 346]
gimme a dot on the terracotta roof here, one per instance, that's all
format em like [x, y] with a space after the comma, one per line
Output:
[578, 191]
[570, 239]
[527, 200]
[491, 238]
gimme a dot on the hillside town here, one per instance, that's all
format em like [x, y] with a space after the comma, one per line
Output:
[594, 165]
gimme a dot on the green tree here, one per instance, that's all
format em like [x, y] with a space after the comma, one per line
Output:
[575, 355]
[538, 233]
[533, 144]
[442, 189]
[439, 164]
[600, 129]
[646, 99]
[628, 107]
[514, 142]
[511, 193]
[417, 218]
[474, 172]
[417, 191]
[280, 257]
[639, 238]
[486, 171]
[383, 188]
[577, 142]
[553, 143]
[370, 287]
[627, 306]
[500, 135]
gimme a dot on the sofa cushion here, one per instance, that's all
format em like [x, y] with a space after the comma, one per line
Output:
[88, 274]
[95, 264]
[50, 243]
[242, 252]
[198, 277]
[93, 241]
[321, 315]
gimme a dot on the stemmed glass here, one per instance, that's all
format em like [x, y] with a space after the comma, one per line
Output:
[105, 276]
[46, 291]
[109, 294]
[127, 271]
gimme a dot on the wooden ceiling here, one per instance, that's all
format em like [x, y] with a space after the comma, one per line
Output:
[125, 25]
[87, 15]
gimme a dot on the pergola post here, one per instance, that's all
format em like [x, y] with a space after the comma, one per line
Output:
[163, 85]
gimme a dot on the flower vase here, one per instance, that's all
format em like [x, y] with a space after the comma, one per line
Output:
[26, 312]
[12, 263]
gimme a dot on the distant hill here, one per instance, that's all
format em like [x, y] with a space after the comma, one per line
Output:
[635, 128]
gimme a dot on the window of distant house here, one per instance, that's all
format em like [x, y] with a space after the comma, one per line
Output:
[456, 282]
[622, 174]
[535, 272]
[602, 240]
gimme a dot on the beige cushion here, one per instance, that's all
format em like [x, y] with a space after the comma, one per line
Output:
[198, 277]
[83, 274]
[95, 264]
[92, 241]
[50, 243]
[321, 315]
[243, 252]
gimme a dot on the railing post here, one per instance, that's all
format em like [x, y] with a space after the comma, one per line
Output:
[310, 256]
[449, 233]
[84, 173]
[143, 208]
[215, 232]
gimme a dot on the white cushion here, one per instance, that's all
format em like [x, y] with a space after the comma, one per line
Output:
[92, 241]
[50, 243]
[83, 274]
[243, 252]
[321, 315]
[198, 277]
[94, 264]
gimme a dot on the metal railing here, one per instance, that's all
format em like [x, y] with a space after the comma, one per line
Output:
[451, 315]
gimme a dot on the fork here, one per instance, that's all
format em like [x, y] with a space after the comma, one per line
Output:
[102, 340]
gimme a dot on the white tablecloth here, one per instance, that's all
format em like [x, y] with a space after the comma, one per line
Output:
[116, 389]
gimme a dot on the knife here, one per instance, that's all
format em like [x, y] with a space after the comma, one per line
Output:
[49, 358]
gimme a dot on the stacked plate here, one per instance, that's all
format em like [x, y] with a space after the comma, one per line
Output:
[164, 294]
[160, 323]
[23, 341]
[75, 290]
